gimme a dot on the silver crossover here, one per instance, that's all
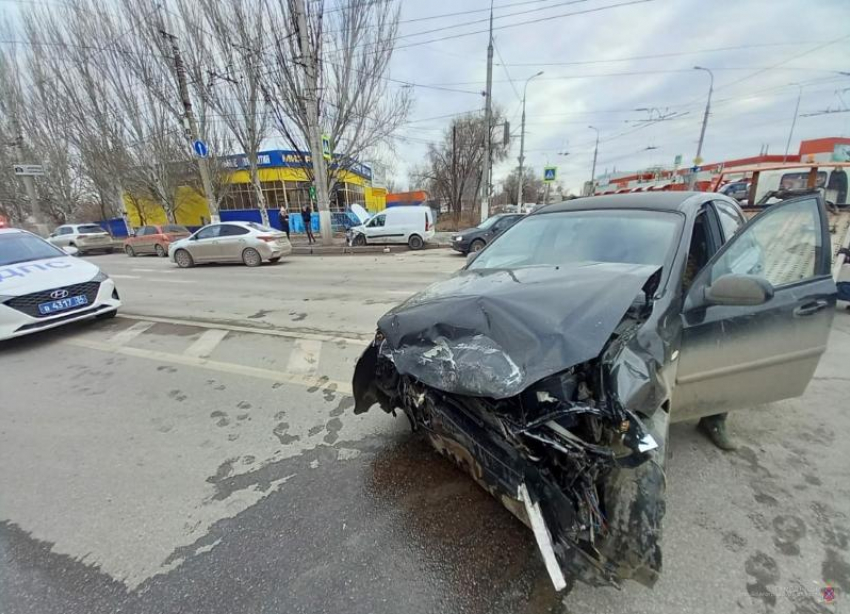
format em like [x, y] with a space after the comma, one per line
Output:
[245, 242]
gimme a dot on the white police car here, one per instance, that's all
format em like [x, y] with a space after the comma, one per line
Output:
[42, 286]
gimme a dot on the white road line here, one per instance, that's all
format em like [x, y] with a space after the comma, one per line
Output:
[275, 332]
[212, 365]
[128, 334]
[114, 276]
[305, 357]
[145, 270]
[206, 343]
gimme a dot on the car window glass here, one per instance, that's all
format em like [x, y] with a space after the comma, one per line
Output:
[565, 237]
[174, 228]
[730, 221]
[22, 247]
[378, 221]
[699, 250]
[782, 246]
[259, 227]
[87, 229]
[208, 233]
[231, 230]
[63, 230]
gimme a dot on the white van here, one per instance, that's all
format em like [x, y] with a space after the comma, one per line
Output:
[411, 225]
[832, 180]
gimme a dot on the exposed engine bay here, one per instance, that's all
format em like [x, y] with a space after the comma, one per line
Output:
[554, 442]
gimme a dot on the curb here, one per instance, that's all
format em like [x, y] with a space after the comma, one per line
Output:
[322, 250]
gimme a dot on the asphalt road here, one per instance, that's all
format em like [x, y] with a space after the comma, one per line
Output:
[200, 454]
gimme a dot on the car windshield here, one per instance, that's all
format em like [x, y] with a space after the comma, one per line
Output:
[21, 247]
[566, 237]
[89, 229]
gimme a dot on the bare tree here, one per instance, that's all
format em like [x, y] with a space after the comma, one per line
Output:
[452, 171]
[357, 107]
[228, 73]
[12, 200]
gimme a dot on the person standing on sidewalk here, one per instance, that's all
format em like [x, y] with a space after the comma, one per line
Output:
[307, 217]
[284, 222]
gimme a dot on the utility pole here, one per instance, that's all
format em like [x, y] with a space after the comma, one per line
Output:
[793, 123]
[454, 168]
[519, 198]
[190, 125]
[29, 181]
[488, 120]
[320, 177]
[593, 169]
[698, 160]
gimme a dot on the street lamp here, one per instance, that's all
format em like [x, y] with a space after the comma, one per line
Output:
[698, 159]
[522, 140]
[593, 170]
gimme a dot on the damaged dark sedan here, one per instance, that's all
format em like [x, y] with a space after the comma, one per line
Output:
[551, 366]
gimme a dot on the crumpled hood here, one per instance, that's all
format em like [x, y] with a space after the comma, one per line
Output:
[494, 332]
[35, 275]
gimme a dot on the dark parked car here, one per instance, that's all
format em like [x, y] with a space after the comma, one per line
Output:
[739, 190]
[475, 239]
[551, 366]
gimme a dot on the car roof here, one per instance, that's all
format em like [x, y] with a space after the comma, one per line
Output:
[659, 201]
[8, 231]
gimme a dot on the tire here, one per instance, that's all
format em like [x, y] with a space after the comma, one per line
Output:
[359, 240]
[477, 245]
[107, 316]
[415, 242]
[160, 251]
[184, 259]
[130, 251]
[251, 257]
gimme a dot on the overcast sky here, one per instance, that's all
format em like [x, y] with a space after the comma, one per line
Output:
[753, 103]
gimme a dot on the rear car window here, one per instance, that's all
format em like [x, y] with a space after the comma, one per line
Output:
[230, 230]
[88, 229]
[259, 227]
[174, 228]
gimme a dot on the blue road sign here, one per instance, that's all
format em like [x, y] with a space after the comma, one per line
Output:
[549, 173]
[695, 169]
[200, 148]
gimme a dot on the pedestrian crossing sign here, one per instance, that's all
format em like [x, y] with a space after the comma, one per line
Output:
[550, 173]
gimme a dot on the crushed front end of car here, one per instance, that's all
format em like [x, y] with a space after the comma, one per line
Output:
[543, 386]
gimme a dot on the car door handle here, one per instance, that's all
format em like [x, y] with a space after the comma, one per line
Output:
[810, 308]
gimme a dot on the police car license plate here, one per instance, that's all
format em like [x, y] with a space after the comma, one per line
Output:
[62, 304]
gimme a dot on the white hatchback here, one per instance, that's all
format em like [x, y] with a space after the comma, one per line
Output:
[42, 286]
[87, 238]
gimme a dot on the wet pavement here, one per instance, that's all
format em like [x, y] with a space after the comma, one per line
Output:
[202, 456]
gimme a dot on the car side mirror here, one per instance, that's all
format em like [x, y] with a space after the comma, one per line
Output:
[70, 250]
[739, 290]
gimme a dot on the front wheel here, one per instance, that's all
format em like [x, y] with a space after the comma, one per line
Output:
[184, 259]
[274, 260]
[251, 257]
[359, 241]
[130, 251]
[476, 246]
[415, 242]
[160, 251]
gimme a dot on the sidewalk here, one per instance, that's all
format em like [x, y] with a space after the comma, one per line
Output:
[300, 246]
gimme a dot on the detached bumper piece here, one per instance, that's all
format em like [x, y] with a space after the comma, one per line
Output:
[551, 455]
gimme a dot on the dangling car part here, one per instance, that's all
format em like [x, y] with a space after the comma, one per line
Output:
[550, 366]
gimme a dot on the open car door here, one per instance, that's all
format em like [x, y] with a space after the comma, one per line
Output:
[757, 317]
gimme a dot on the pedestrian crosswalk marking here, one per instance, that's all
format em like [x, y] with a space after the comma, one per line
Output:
[206, 343]
[128, 334]
[305, 356]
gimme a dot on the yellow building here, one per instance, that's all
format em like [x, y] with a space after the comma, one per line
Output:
[285, 184]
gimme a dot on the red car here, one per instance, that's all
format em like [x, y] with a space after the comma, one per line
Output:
[154, 239]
